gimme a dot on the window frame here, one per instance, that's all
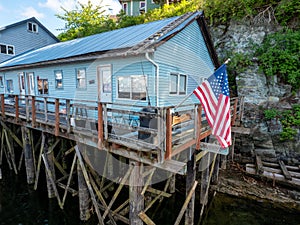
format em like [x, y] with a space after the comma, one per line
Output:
[78, 86]
[178, 84]
[1, 81]
[131, 86]
[7, 49]
[32, 30]
[12, 85]
[42, 80]
[57, 87]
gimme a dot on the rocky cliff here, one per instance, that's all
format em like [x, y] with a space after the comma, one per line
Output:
[259, 92]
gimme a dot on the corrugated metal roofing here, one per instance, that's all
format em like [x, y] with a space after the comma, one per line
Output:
[112, 40]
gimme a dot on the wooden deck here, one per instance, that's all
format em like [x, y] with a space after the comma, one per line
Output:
[150, 135]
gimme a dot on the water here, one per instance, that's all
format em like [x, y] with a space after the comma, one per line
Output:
[21, 205]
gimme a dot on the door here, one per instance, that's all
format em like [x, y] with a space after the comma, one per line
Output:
[104, 75]
[30, 83]
[22, 84]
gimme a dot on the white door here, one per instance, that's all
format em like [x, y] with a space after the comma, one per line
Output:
[30, 83]
[22, 84]
[104, 83]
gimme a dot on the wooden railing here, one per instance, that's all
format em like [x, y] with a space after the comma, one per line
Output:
[161, 131]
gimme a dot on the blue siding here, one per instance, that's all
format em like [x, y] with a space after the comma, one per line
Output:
[185, 53]
[23, 40]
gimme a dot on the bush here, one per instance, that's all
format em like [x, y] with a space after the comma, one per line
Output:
[279, 55]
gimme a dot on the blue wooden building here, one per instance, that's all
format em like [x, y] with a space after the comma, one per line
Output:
[23, 36]
[158, 63]
[137, 7]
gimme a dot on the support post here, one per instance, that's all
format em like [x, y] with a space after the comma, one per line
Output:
[100, 123]
[2, 106]
[136, 200]
[56, 117]
[49, 158]
[29, 162]
[33, 111]
[84, 197]
[168, 154]
[17, 107]
[190, 180]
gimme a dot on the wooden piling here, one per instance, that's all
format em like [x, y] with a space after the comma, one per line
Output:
[29, 162]
[49, 153]
[136, 200]
[190, 180]
[84, 197]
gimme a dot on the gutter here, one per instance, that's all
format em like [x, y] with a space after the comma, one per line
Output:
[157, 77]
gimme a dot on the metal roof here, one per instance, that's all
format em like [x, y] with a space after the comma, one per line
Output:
[98, 44]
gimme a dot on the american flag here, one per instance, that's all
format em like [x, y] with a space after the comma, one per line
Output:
[214, 97]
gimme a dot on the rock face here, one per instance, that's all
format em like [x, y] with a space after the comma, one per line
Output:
[259, 93]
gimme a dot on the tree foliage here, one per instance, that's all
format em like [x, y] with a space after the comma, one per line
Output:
[85, 20]
[279, 55]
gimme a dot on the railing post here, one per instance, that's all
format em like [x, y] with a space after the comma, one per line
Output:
[234, 111]
[198, 126]
[33, 111]
[68, 108]
[27, 108]
[17, 107]
[56, 117]
[100, 123]
[2, 106]
[46, 109]
[168, 154]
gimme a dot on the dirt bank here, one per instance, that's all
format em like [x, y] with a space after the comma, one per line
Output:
[234, 181]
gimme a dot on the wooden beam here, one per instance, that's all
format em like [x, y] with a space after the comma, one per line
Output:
[51, 179]
[33, 111]
[259, 165]
[124, 179]
[56, 132]
[199, 126]
[185, 204]
[2, 106]
[168, 153]
[145, 218]
[285, 172]
[100, 122]
[17, 107]
[85, 174]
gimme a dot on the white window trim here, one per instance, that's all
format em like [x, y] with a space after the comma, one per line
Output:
[178, 84]
[33, 24]
[7, 49]
[85, 77]
[130, 99]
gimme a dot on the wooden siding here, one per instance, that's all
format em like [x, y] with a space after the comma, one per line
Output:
[185, 53]
[120, 67]
[24, 40]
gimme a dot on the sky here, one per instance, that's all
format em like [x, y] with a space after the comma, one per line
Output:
[12, 11]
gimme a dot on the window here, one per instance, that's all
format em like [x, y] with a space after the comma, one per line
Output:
[125, 8]
[30, 83]
[58, 79]
[32, 27]
[10, 86]
[142, 5]
[1, 81]
[43, 86]
[7, 49]
[80, 78]
[177, 84]
[132, 87]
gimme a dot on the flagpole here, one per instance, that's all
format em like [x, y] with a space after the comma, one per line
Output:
[189, 95]
[183, 100]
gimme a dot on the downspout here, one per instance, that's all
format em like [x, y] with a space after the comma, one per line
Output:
[157, 77]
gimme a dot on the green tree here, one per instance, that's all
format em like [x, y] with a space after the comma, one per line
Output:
[85, 20]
